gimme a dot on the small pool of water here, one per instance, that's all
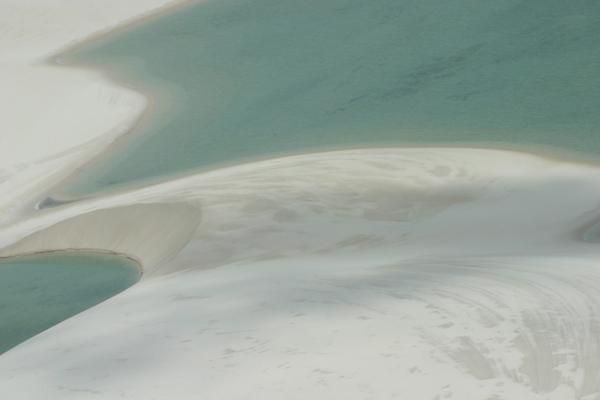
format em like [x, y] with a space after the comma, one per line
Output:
[37, 292]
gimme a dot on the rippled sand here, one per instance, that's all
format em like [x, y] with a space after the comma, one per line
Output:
[424, 273]
[371, 273]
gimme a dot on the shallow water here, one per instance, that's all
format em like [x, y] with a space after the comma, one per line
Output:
[249, 79]
[37, 292]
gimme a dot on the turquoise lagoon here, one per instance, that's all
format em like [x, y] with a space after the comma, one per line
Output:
[238, 80]
[37, 292]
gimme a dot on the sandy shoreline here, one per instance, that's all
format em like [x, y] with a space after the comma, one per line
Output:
[413, 246]
[158, 99]
[104, 110]
[370, 273]
[93, 252]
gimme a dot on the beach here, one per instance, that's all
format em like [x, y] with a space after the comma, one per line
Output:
[424, 272]
[92, 110]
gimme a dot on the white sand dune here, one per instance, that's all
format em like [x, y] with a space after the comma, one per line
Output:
[431, 273]
[355, 274]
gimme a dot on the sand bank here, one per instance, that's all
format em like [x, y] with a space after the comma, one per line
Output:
[367, 273]
[55, 117]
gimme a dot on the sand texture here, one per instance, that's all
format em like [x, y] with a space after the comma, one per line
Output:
[415, 273]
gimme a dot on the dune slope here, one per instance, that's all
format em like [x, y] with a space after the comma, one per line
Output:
[423, 273]
[416, 272]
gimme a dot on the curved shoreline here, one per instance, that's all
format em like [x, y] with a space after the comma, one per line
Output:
[108, 108]
[194, 192]
[445, 272]
[149, 233]
[416, 245]
[422, 72]
[144, 16]
[91, 251]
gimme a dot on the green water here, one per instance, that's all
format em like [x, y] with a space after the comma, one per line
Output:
[37, 292]
[247, 79]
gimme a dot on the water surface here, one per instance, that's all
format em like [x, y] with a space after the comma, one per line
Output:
[247, 79]
[37, 292]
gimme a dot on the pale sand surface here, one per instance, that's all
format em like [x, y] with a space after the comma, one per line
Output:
[366, 274]
[149, 233]
[420, 273]
[54, 118]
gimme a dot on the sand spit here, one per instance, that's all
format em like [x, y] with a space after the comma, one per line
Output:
[148, 233]
[55, 118]
[383, 273]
